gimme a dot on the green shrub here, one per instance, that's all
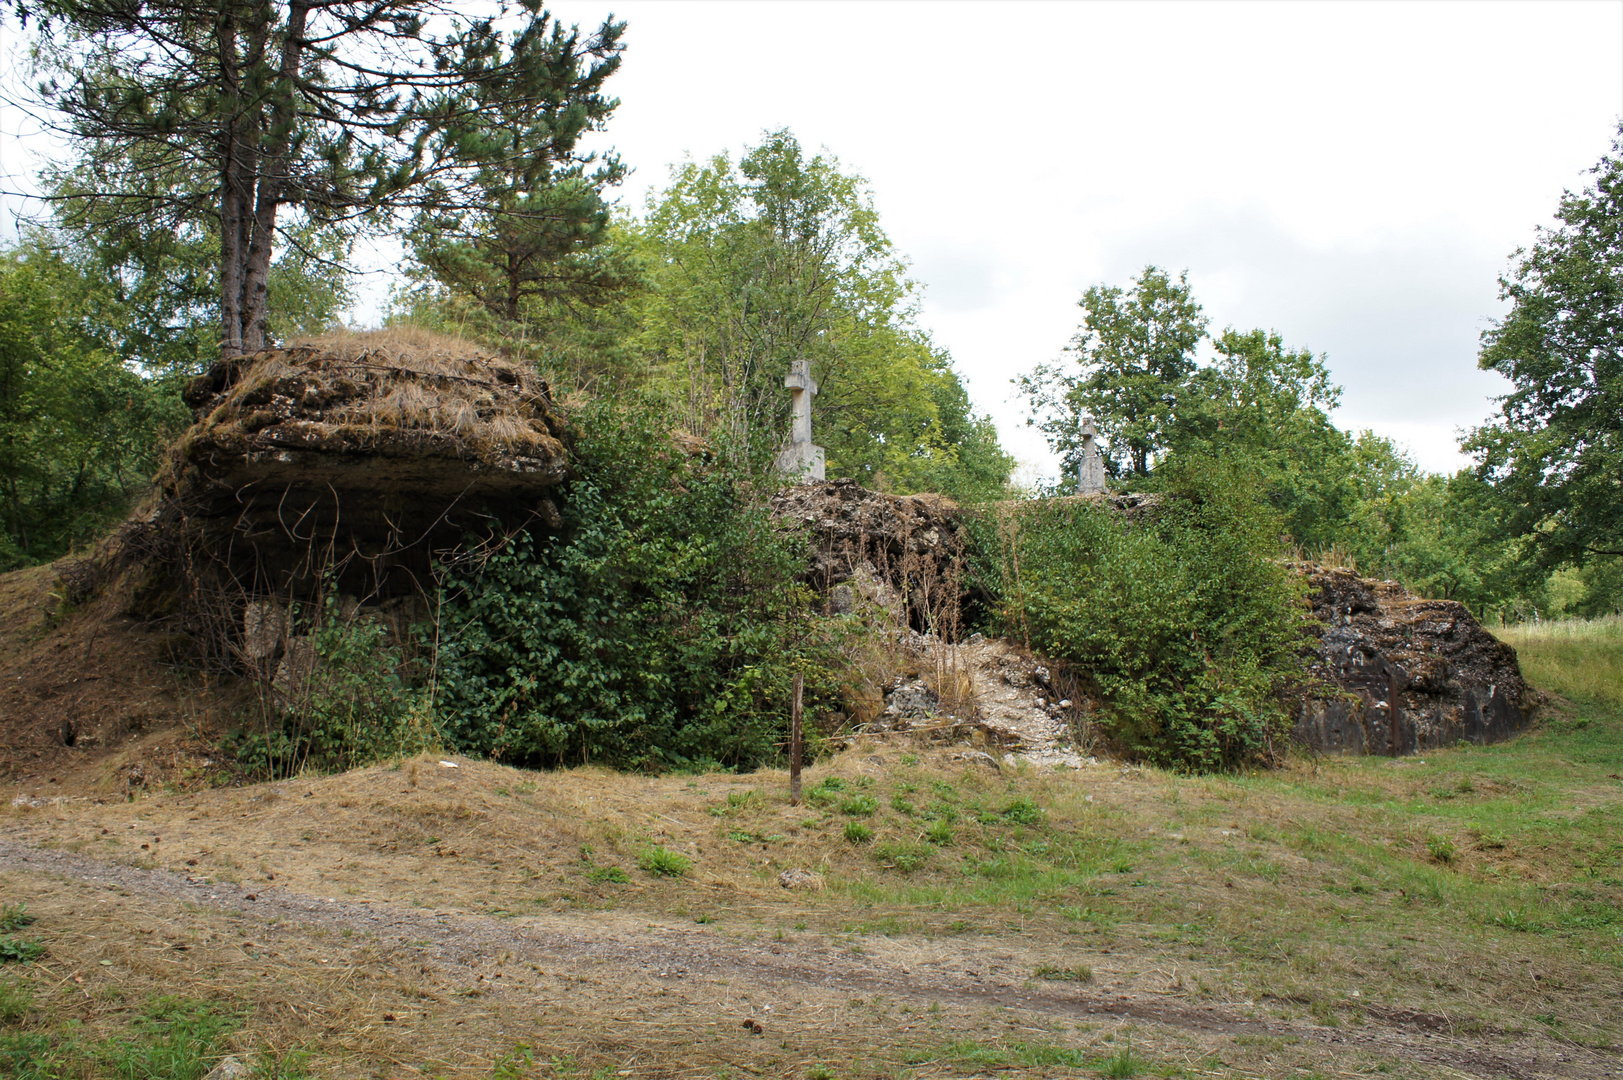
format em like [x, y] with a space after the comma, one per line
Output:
[357, 705]
[656, 629]
[1182, 614]
[14, 917]
[663, 862]
[857, 832]
[607, 875]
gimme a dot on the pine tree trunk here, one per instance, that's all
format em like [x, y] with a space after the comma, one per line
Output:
[273, 175]
[231, 196]
[239, 167]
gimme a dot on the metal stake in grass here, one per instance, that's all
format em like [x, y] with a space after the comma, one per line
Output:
[795, 744]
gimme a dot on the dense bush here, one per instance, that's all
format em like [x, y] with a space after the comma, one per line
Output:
[1182, 614]
[349, 698]
[658, 628]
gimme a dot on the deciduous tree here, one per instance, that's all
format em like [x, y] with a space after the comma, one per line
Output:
[78, 429]
[1136, 351]
[781, 257]
[1556, 450]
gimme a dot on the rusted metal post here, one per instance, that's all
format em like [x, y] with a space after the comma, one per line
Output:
[795, 743]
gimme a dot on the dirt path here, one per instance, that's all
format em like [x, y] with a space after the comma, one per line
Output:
[705, 968]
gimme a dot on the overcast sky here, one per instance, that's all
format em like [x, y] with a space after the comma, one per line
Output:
[1352, 175]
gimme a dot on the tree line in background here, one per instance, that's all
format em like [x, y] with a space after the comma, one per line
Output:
[1534, 528]
[228, 160]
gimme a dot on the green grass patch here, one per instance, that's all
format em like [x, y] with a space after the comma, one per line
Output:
[1581, 659]
[1063, 973]
[859, 806]
[663, 862]
[21, 949]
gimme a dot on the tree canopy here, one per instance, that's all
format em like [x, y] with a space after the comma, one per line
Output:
[1136, 350]
[343, 110]
[79, 430]
[1556, 450]
[780, 257]
[536, 230]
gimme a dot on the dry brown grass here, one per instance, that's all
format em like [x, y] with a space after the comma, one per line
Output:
[409, 379]
[1247, 925]
[410, 344]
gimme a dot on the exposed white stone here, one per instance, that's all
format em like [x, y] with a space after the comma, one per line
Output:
[801, 459]
[1090, 473]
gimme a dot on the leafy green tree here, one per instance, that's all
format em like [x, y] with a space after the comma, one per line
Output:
[1556, 451]
[538, 228]
[1136, 350]
[79, 430]
[753, 266]
[1268, 406]
[1449, 542]
[780, 258]
[346, 110]
[1384, 476]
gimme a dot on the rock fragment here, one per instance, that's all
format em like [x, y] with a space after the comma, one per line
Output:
[800, 880]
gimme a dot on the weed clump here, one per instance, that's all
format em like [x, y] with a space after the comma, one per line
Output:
[1442, 849]
[1121, 1064]
[906, 857]
[859, 806]
[1023, 811]
[663, 862]
[1058, 973]
[15, 1000]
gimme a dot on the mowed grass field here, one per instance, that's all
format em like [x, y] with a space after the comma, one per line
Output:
[1459, 913]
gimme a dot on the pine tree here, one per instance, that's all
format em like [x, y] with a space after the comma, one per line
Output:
[345, 112]
[537, 229]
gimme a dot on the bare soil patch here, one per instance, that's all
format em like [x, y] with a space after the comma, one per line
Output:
[91, 702]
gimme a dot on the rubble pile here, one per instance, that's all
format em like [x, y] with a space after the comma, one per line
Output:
[990, 693]
[899, 551]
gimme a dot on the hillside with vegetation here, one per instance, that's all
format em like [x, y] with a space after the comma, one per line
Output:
[416, 700]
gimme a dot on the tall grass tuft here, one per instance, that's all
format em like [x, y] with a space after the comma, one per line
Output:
[1580, 659]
